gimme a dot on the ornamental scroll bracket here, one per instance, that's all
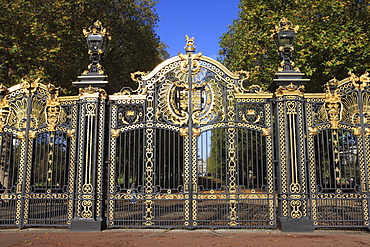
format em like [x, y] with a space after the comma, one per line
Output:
[312, 131]
[359, 82]
[30, 87]
[137, 78]
[243, 77]
[357, 131]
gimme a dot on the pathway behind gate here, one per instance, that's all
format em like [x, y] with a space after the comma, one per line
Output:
[181, 238]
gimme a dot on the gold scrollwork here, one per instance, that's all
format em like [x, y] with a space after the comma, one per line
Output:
[359, 82]
[296, 212]
[254, 196]
[130, 117]
[71, 133]
[233, 214]
[243, 76]
[338, 195]
[251, 115]
[266, 132]
[291, 107]
[30, 87]
[357, 131]
[87, 188]
[49, 196]
[115, 133]
[7, 196]
[295, 188]
[312, 131]
[174, 101]
[136, 76]
[86, 213]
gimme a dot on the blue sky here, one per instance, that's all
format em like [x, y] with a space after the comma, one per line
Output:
[205, 20]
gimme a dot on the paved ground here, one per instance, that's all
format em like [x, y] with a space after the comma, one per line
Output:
[181, 238]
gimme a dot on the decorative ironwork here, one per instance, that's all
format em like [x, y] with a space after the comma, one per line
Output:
[187, 98]
[336, 151]
[190, 147]
[36, 156]
[206, 101]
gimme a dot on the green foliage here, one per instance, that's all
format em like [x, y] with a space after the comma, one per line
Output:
[333, 39]
[45, 38]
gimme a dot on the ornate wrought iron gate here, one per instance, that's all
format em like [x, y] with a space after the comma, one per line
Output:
[37, 148]
[189, 149]
[338, 142]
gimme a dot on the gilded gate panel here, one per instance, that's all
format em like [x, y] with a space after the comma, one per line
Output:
[337, 148]
[37, 154]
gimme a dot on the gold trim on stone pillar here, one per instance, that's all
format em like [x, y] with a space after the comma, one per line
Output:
[90, 161]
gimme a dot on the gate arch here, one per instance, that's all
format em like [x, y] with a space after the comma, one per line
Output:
[181, 102]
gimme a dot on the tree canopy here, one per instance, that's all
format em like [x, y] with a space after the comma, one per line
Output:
[332, 39]
[44, 39]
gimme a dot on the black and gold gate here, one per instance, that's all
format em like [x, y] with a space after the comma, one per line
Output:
[191, 147]
[338, 143]
[37, 161]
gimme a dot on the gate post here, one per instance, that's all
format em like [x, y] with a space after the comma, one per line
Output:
[289, 135]
[288, 88]
[90, 158]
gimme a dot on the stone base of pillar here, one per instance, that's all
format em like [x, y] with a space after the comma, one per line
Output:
[87, 225]
[295, 225]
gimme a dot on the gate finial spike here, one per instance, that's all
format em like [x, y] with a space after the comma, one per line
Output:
[189, 47]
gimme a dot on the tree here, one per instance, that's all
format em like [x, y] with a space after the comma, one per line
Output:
[44, 38]
[332, 39]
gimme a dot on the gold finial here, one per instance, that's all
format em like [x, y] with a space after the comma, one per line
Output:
[190, 47]
[96, 28]
[285, 25]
